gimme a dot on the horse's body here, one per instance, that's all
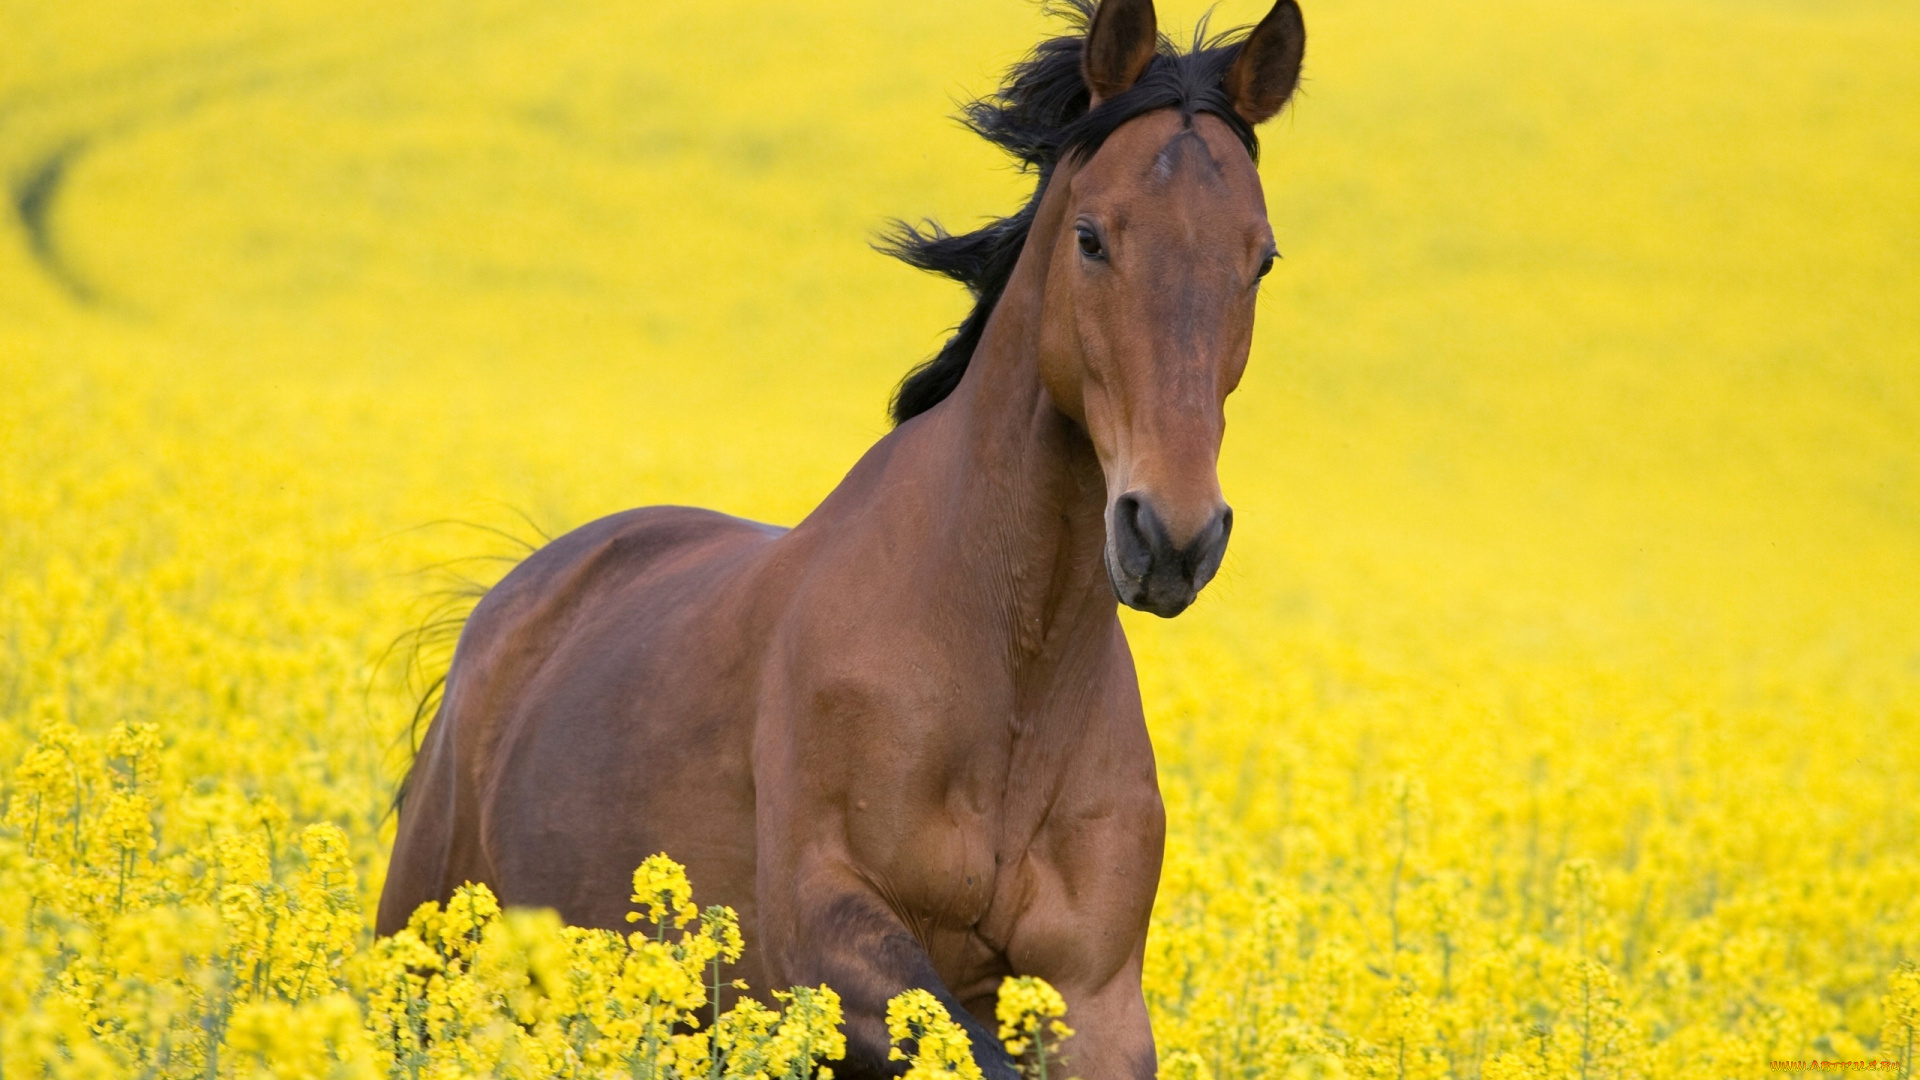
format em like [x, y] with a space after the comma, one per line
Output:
[955, 768]
[902, 739]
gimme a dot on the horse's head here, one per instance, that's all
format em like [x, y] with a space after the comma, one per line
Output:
[1161, 242]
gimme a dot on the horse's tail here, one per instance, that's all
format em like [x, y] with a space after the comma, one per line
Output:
[425, 651]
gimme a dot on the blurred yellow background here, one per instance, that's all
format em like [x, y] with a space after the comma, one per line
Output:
[1576, 473]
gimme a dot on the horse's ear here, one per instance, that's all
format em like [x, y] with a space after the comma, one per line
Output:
[1121, 40]
[1268, 68]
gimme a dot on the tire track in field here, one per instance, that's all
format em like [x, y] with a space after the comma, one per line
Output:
[50, 127]
[32, 199]
[46, 129]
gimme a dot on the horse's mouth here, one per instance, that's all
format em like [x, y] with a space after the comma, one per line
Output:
[1157, 591]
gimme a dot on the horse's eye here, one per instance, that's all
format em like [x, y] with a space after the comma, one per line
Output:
[1266, 266]
[1090, 243]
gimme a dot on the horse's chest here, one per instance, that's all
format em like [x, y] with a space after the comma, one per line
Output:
[935, 859]
[958, 857]
[950, 790]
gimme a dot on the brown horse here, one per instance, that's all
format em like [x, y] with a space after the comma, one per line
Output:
[903, 739]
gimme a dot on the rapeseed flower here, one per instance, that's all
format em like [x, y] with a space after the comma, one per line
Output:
[1554, 713]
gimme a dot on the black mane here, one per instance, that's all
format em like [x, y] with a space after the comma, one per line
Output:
[1039, 115]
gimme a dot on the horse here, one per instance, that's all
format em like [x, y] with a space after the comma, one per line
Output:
[903, 739]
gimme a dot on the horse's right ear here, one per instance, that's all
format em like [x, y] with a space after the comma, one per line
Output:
[1268, 68]
[1121, 39]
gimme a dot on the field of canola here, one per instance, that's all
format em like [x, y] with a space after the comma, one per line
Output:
[1557, 713]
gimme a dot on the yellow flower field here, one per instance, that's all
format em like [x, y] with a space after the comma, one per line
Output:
[1556, 714]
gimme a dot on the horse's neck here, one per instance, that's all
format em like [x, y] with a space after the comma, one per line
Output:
[1024, 529]
[1027, 521]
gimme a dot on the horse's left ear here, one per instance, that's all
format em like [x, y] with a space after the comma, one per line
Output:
[1268, 68]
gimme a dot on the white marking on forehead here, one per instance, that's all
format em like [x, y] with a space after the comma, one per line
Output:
[1185, 146]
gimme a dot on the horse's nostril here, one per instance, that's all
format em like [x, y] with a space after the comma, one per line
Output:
[1132, 535]
[1131, 544]
[1210, 547]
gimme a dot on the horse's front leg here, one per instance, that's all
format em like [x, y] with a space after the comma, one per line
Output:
[845, 936]
[1113, 1039]
[1084, 928]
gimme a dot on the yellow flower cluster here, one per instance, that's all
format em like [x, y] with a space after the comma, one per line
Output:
[467, 990]
[1029, 1011]
[1900, 1037]
[123, 954]
[925, 1035]
[228, 957]
[1557, 710]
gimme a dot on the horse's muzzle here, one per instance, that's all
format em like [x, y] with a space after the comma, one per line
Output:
[1149, 571]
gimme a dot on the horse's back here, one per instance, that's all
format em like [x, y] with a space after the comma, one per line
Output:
[583, 685]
